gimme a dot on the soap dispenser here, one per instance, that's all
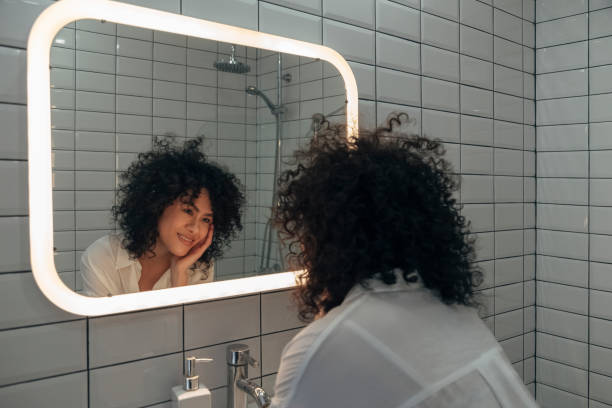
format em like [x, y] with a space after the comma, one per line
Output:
[190, 395]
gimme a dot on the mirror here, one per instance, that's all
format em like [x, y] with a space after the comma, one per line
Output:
[115, 87]
[115, 82]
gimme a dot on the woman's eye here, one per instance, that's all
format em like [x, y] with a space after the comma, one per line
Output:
[207, 220]
[188, 211]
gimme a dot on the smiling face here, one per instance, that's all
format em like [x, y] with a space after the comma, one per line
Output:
[182, 225]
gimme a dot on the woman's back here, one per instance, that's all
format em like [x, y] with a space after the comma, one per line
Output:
[397, 346]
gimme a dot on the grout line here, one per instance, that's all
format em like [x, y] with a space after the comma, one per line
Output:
[421, 75]
[74, 167]
[494, 176]
[523, 169]
[607, 319]
[48, 377]
[460, 115]
[588, 72]
[574, 15]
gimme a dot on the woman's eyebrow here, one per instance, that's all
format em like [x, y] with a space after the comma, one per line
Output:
[198, 210]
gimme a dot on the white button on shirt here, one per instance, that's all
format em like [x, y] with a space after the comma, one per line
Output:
[397, 346]
[108, 270]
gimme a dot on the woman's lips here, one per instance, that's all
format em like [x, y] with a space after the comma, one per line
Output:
[185, 240]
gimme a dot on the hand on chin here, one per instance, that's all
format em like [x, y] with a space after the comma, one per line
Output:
[186, 257]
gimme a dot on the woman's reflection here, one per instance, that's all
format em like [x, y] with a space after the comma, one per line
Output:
[176, 211]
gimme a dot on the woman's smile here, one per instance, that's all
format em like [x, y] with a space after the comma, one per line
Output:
[187, 241]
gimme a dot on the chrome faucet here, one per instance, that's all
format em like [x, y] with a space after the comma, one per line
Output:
[238, 383]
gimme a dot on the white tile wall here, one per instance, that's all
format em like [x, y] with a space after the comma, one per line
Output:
[573, 216]
[456, 66]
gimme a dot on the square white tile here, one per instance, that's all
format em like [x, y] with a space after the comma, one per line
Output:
[440, 63]
[355, 13]
[562, 57]
[290, 23]
[477, 14]
[151, 333]
[441, 125]
[241, 13]
[438, 94]
[126, 383]
[278, 312]
[476, 130]
[552, 9]
[442, 8]
[475, 101]
[64, 351]
[476, 43]
[439, 32]
[563, 297]
[396, 53]
[63, 391]
[507, 26]
[214, 322]
[563, 244]
[13, 82]
[564, 324]
[398, 87]
[397, 19]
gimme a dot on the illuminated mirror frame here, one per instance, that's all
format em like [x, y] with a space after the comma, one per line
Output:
[44, 30]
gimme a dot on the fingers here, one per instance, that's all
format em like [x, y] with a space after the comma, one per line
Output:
[203, 245]
[209, 236]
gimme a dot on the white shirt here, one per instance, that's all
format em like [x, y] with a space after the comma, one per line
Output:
[397, 346]
[107, 269]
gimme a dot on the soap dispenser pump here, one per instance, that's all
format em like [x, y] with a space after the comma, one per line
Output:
[190, 395]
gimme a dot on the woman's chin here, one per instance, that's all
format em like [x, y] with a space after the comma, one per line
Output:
[181, 251]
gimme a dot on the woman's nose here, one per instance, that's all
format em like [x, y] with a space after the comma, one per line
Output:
[193, 226]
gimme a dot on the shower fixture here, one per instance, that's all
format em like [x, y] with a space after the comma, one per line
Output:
[275, 109]
[233, 66]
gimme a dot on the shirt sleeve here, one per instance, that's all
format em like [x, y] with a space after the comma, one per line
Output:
[97, 267]
[293, 363]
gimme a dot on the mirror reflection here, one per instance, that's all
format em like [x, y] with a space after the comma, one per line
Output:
[117, 91]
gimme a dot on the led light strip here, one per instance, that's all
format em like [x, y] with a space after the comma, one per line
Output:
[44, 30]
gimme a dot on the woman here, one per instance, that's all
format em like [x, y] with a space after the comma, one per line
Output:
[176, 212]
[389, 279]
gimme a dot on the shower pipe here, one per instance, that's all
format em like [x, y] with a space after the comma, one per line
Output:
[277, 112]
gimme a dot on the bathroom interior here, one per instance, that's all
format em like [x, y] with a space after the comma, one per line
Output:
[519, 91]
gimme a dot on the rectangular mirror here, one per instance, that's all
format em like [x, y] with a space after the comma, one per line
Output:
[116, 82]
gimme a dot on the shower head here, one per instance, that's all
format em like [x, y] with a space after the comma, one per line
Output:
[252, 90]
[232, 65]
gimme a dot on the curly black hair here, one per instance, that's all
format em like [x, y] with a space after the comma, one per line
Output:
[353, 209]
[160, 176]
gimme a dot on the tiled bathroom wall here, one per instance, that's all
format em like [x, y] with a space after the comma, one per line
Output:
[463, 69]
[574, 124]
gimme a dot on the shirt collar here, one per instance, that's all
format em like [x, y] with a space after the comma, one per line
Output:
[376, 285]
[123, 256]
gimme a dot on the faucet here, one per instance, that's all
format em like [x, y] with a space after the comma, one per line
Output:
[238, 383]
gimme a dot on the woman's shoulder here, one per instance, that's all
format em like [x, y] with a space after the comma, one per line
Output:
[105, 246]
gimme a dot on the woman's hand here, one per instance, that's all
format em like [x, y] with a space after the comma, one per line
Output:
[180, 265]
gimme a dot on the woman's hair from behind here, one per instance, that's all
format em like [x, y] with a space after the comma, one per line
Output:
[164, 174]
[356, 208]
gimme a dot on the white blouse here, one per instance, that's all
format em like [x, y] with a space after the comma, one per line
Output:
[108, 270]
[397, 346]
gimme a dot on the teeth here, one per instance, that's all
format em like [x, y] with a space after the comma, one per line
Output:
[184, 238]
